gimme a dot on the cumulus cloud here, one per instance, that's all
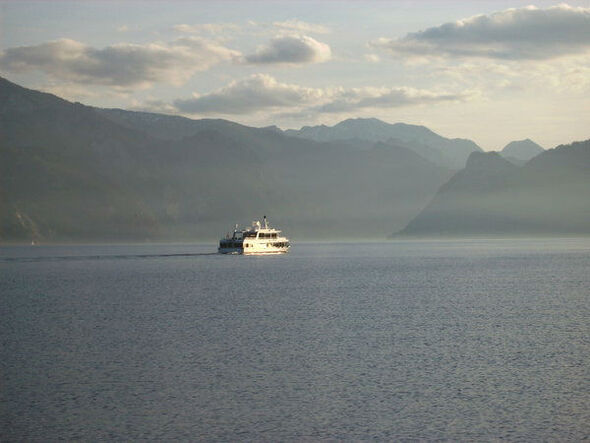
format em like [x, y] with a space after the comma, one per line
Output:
[291, 50]
[122, 65]
[253, 94]
[514, 34]
[262, 92]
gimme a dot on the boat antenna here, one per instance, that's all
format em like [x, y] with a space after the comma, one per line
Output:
[265, 224]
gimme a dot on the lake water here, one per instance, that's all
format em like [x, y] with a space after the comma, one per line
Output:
[461, 340]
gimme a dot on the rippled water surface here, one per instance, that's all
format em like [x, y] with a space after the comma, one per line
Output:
[476, 339]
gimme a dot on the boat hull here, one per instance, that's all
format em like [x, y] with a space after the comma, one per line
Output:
[253, 251]
[265, 252]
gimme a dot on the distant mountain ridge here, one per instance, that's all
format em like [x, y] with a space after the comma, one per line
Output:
[549, 195]
[70, 172]
[170, 127]
[451, 153]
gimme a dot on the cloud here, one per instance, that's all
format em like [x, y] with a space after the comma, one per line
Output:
[301, 27]
[253, 94]
[569, 75]
[372, 98]
[514, 34]
[263, 92]
[122, 65]
[372, 58]
[209, 28]
[291, 50]
[287, 27]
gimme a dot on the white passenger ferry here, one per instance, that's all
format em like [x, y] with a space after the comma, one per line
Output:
[259, 239]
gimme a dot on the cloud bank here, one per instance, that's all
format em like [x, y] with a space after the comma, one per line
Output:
[262, 92]
[253, 94]
[514, 34]
[291, 50]
[128, 66]
[121, 65]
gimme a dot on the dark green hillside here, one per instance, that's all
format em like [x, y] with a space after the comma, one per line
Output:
[62, 171]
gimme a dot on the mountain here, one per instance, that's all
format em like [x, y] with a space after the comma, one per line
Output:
[451, 153]
[173, 127]
[519, 152]
[70, 172]
[491, 196]
[62, 169]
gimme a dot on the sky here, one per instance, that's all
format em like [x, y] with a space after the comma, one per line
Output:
[489, 71]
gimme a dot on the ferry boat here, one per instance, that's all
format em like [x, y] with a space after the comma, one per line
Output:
[258, 239]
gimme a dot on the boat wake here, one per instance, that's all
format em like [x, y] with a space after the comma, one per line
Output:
[101, 257]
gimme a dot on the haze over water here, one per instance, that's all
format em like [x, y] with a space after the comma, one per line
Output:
[477, 339]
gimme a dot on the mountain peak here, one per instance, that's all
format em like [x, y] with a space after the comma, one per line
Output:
[522, 150]
[428, 144]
